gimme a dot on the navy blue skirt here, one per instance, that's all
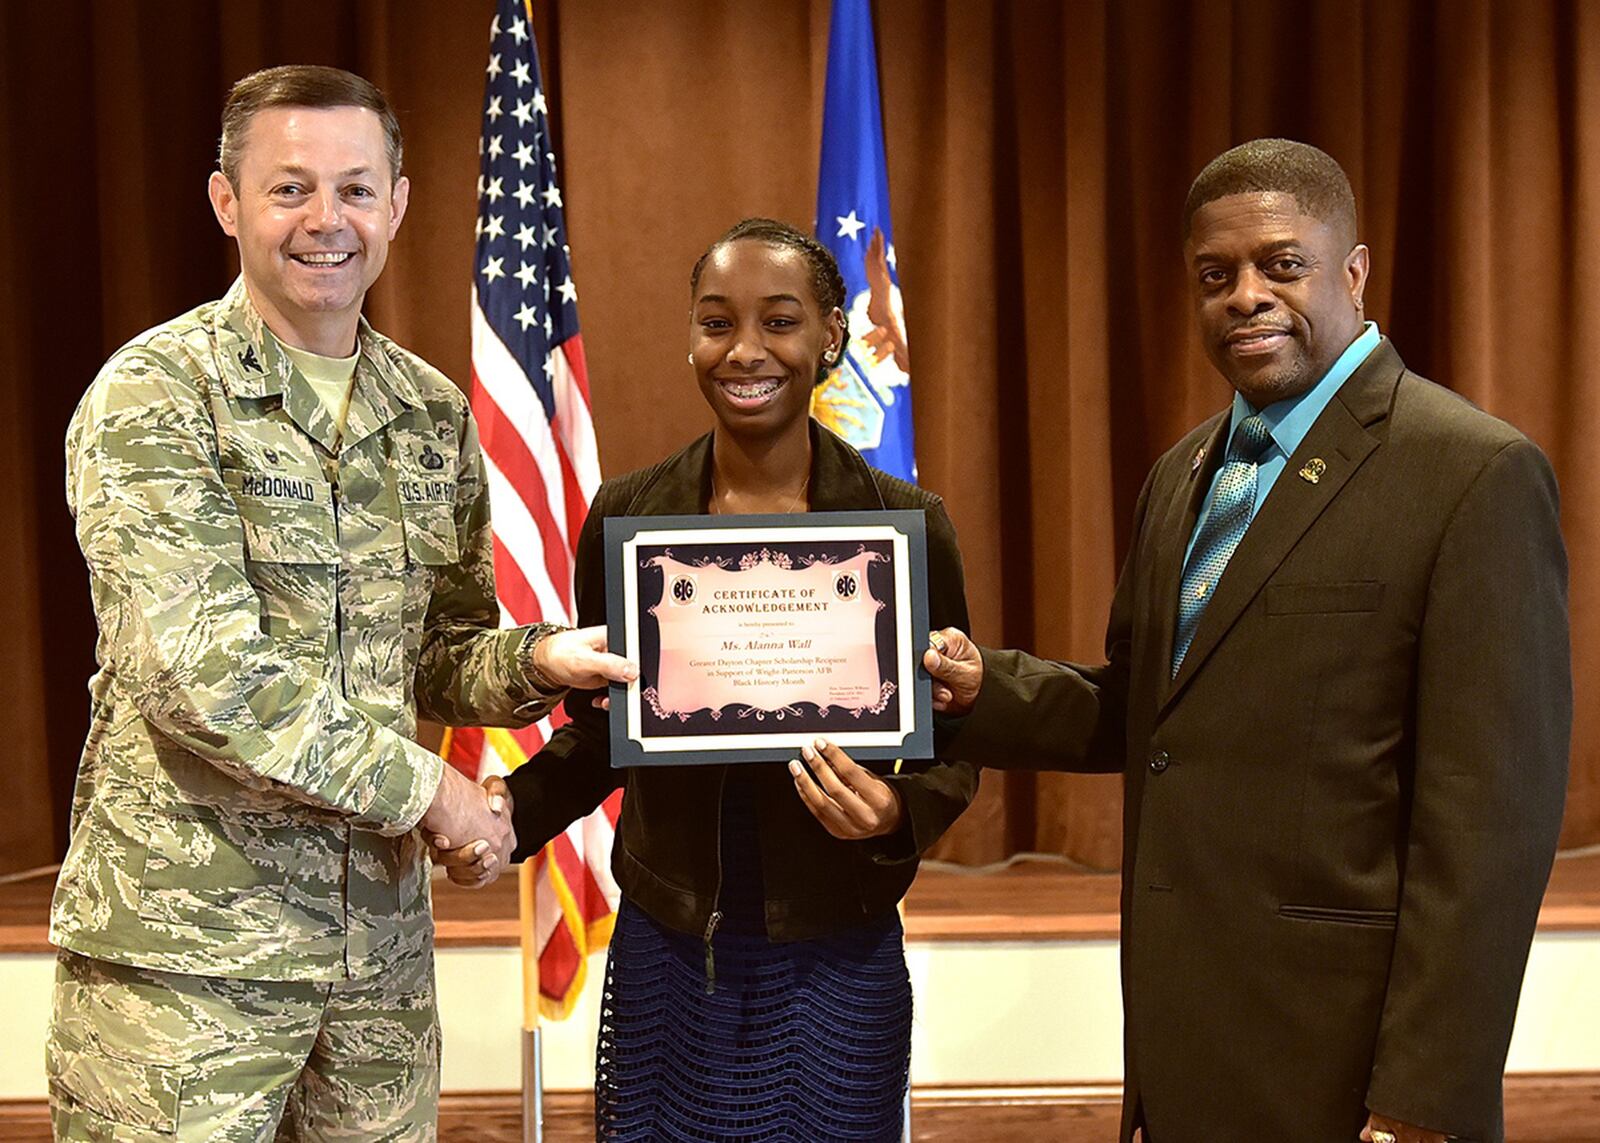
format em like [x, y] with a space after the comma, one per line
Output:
[805, 1040]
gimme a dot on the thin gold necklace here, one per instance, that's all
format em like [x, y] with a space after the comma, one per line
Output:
[793, 504]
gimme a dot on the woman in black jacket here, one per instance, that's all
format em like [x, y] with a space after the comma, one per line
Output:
[756, 986]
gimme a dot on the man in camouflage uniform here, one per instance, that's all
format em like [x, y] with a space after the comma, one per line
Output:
[282, 581]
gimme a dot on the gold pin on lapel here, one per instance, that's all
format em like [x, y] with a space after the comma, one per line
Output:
[1199, 459]
[1313, 470]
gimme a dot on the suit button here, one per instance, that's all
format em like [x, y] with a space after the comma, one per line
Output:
[1159, 761]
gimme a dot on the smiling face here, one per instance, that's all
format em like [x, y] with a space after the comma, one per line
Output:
[758, 337]
[1276, 292]
[313, 214]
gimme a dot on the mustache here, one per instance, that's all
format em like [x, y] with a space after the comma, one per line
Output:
[1246, 329]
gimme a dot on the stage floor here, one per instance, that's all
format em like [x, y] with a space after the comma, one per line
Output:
[1028, 900]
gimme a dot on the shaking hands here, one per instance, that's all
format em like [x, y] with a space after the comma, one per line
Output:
[469, 826]
[476, 821]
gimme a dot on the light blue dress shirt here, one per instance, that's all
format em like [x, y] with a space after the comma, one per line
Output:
[1288, 421]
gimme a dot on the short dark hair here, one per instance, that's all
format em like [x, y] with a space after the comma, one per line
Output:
[1316, 181]
[300, 85]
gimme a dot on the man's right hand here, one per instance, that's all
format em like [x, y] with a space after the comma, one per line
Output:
[957, 669]
[479, 821]
[474, 863]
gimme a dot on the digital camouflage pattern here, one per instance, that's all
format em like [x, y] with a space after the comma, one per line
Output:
[275, 607]
[137, 1054]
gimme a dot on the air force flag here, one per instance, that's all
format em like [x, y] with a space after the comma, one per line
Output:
[867, 398]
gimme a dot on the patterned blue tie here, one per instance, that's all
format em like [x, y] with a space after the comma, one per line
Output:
[1231, 509]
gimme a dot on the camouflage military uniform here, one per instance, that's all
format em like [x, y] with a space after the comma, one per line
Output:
[275, 606]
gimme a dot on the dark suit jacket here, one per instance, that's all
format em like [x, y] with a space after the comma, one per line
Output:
[1340, 816]
[667, 858]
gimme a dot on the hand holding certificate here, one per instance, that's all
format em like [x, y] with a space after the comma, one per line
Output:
[755, 634]
[849, 800]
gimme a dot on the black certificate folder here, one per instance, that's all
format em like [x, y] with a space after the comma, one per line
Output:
[755, 635]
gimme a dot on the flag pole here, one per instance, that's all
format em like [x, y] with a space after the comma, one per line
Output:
[532, 1048]
[905, 1110]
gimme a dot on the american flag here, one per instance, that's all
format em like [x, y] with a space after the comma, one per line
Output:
[530, 397]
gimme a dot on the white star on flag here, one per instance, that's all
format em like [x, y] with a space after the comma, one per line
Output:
[552, 195]
[494, 268]
[494, 67]
[525, 237]
[539, 104]
[525, 194]
[495, 192]
[526, 275]
[849, 226]
[525, 316]
[524, 157]
[493, 111]
[519, 30]
[496, 147]
[569, 292]
[522, 112]
[496, 227]
[520, 73]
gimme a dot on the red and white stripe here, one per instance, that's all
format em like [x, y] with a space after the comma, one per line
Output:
[542, 473]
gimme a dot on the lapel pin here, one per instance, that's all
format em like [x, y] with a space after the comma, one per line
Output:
[1313, 470]
[1199, 459]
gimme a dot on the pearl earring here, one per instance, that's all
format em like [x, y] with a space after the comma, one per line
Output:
[691, 359]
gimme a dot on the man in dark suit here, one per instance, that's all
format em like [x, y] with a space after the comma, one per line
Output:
[1339, 691]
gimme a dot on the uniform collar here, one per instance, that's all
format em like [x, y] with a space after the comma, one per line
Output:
[253, 365]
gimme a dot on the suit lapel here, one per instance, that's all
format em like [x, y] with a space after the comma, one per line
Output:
[1342, 440]
[1182, 509]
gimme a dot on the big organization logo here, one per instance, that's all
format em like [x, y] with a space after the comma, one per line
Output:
[875, 368]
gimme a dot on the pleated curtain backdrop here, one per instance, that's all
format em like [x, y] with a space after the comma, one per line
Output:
[1039, 154]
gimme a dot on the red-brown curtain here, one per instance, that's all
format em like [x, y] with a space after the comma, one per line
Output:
[1039, 154]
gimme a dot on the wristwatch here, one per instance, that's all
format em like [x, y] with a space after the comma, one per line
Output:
[537, 633]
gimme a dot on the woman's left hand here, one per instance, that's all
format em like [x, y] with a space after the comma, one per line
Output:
[850, 801]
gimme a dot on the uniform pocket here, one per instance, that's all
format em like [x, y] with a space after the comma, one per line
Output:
[430, 534]
[122, 1092]
[287, 519]
[203, 869]
[1323, 598]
